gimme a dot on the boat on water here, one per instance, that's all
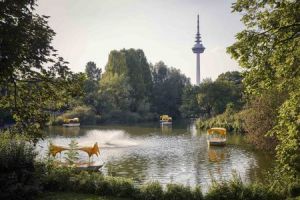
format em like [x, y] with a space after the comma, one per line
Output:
[165, 120]
[71, 122]
[216, 136]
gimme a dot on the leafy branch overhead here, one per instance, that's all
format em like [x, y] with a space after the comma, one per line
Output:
[34, 79]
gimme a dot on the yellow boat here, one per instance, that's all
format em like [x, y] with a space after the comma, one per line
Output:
[71, 122]
[165, 119]
[216, 136]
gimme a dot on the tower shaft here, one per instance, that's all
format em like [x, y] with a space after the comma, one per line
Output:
[198, 68]
[198, 49]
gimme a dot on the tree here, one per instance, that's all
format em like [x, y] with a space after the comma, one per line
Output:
[114, 93]
[132, 65]
[91, 85]
[190, 106]
[269, 50]
[168, 86]
[213, 97]
[32, 75]
[234, 77]
[93, 73]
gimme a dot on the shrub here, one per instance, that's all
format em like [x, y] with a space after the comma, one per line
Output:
[58, 178]
[68, 179]
[178, 192]
[235, 189]
[230, 120]
[85, 114]
[18, 174]
[151, 191]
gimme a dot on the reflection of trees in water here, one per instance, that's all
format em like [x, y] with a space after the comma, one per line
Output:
[70, 131]
[63, 131]
[132, 167]
[260, 166]
[166, 129]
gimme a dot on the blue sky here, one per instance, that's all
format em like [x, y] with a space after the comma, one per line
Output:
[87, 30]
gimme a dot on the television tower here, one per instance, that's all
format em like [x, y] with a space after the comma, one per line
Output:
[198, 49]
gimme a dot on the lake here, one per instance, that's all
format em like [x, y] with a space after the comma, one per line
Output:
[177, 153]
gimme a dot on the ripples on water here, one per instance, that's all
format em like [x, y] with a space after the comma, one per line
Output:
[167, 154]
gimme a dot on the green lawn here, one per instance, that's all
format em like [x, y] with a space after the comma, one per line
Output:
[73, 196]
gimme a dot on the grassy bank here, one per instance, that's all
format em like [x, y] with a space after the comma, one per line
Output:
[68, 180]
[73, 196]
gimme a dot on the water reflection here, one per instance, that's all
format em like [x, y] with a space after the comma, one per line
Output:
[166, 129]
[177, 153]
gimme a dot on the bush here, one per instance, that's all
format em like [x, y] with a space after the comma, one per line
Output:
[85, 114]
[18, 174]
[58, 178]
[236, 190]
[230, 120]
[68, 179]
[178, 192]
[151, 191]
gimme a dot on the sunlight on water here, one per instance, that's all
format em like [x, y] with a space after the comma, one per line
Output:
[177, 154]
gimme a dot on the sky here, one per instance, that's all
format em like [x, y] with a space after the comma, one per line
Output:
[87, 30]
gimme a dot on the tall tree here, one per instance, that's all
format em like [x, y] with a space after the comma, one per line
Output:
[133, 65]
[31, 73]
[91, 85]
[93, 73]
[168, 86]
[269, 50]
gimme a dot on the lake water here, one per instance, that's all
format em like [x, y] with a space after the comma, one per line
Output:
[177, 153]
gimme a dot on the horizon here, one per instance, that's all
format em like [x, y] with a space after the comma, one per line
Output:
[89, 31]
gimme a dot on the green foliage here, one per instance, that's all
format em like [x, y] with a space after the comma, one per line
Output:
[18, 171]
[260, 117]
[85, 114]
[287, 131]
[190, 106]
[73, 196]
[92, 72]
[127, 77]
[168, 87]
[34, 81]
[114, 92]
[230, 119]
[237, 190]
[213, 97]
[91, 85]
[151, 191]
[58, 178]
[269, 48]
[72, 156]
[67, 179]
[178, 192]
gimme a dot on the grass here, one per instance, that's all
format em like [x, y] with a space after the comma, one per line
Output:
[73, 196]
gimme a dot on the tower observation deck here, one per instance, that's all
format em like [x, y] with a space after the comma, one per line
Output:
[198, 49]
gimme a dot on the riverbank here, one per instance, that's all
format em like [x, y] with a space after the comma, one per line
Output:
[73, 196]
